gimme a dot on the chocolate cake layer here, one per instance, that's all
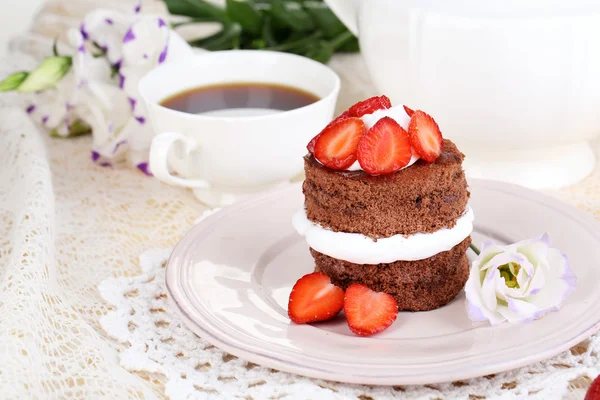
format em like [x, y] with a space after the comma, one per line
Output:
[424, 197]
[416, 285]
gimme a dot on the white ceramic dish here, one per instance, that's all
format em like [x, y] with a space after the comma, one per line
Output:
[513, 83]
[232, 154]
[231, 275]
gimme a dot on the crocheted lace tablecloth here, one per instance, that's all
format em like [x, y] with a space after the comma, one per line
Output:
[82, 297]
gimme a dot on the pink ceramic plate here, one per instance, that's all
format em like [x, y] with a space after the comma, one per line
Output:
[231, 275]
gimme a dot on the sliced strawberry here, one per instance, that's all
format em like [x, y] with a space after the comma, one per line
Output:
[409, 111]
[593, 392]
[425, 136]
[341, 117]
[367, 311]
[336, 145]
[385, 148]
[314, 298]
[311, 144]
[370, 105]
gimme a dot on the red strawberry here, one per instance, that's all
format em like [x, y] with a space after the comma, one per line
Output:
[593, 392]
[409, 111]
[336, 145]
[370, 105]
[314, 298]
[425, 136]
[385, 148]
[368, 312]
[311, 144]
[341, 117]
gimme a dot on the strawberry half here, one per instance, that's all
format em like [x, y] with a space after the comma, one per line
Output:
[593, 392]
[314, 298]
[370, 105]
[367, 311]
[311, 145]
[336, 145]
[385, 148]
[409, 111]
[425, 136]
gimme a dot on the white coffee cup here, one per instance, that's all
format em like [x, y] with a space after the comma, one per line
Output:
[222, 156]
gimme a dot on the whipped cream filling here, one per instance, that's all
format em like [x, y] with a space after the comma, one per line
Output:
[356, 166]
[396, 113]
[360, 249]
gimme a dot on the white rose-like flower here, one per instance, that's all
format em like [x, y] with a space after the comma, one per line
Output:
[114, 50]
[519, 282]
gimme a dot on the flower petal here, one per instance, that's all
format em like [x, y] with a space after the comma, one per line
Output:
[518, 311]
[476, 309]
[536, 283]
[559, 281]
[488, 292]
[502, 259]
[534, 249]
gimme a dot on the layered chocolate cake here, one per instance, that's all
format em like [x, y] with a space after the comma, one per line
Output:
[386, 205]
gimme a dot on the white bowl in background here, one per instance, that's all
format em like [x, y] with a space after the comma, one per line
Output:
[516, 84]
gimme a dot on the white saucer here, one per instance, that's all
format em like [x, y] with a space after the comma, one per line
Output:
[231, 275]
[532, 168]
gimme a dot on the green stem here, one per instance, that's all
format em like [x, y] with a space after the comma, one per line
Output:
[474, 248]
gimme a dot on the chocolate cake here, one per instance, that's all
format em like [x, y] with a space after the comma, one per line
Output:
[416, 285]
[423, 198]
[410, 219]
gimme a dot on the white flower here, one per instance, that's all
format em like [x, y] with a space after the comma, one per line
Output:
[133, 45]
[518, 283]
[114, 51]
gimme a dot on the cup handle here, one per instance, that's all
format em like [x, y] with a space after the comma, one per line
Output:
[159, 163]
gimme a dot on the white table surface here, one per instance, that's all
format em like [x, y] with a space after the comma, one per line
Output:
[15, 17]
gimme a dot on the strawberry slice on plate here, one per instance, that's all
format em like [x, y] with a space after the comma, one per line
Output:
[593, 392]
[367, 311]
[336, 145]
[314, 298]
[311, 144]
[409, 111]
[385, 148]
[425, 136]
[370, 105]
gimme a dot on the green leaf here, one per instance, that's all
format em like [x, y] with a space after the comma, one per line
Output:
[13, 81]
[258, 44]
[298, 46]
[197, 9]
[242, 12]
[324, 18]
[345, 38]
[350, 46]
[191, 21]
[77, 128]
[222, 40]
[267, 32]
[321, 52]
[292, 15]
[47, 74]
